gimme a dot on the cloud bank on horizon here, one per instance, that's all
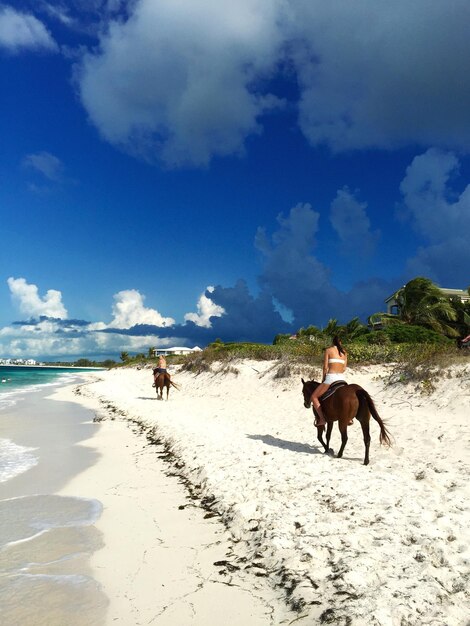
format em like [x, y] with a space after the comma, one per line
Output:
[183, 84]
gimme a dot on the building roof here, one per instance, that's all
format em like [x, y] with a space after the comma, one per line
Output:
[460, 293]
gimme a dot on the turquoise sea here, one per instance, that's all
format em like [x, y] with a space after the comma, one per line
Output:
[17, 382]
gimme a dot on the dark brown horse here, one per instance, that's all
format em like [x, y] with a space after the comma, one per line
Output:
[346, 403]
[163, 380]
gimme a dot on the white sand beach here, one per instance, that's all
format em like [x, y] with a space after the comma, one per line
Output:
[338, 542]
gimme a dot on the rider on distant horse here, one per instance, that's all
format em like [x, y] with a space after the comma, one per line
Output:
[161, 368]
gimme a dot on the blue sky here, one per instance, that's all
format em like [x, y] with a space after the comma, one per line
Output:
[176, 171]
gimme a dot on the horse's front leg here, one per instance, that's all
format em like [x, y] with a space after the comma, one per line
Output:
[329, 430]
[320, 431]
[343, 429]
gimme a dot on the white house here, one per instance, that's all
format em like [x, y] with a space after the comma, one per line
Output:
[177, 350]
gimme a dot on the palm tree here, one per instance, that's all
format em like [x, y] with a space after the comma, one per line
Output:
[332, 328]
[353, 329]
[421, 303]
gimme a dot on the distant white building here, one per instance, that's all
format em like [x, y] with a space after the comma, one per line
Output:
[177, 350]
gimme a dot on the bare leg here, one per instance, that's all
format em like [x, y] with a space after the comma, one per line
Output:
[319, 391]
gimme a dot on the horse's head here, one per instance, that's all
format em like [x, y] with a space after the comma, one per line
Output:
[308, 387]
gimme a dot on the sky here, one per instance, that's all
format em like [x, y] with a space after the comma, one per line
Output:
[176, 171]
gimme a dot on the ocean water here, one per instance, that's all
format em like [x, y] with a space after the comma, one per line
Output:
[46, 539]
[16, 382]
[15, 379]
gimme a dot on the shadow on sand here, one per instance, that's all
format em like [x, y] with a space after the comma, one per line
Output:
[293, 446]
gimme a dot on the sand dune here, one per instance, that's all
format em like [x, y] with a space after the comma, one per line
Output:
[386, 544]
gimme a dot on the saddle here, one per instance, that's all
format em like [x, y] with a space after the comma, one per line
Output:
[332, 389]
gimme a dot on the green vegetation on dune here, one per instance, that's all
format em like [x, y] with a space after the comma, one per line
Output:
[418, 341]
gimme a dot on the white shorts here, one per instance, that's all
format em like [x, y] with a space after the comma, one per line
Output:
[333, 377]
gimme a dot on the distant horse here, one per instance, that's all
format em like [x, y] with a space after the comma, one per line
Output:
[347, 402]
[163, 380]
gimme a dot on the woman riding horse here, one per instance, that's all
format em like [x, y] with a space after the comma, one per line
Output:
[343, 405]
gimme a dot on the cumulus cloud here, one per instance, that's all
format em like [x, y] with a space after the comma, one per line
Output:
[46, 164]
[48, 338]
[174, 81]
[440, 215]
[129, 310]
[27, 297]
[206, 309]
[292, 273]
[183, 82]
[383, 74]
[247, 317]
[22, 31]
[50, 333]
[349, 218]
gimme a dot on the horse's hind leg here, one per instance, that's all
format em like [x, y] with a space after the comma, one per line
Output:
[363, 417]
[365, 430]
[167, 391]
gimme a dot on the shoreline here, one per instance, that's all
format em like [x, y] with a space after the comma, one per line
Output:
[340, 541]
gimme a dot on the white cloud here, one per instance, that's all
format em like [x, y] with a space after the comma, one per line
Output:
[46, 163]
[383, 74]
[21, 31]
[349, 218]
[174, 82]
[185, 81]
[206, 309]
[48, 338]
[440, 216]
[30, 303]
[292, 273]
[129, 310]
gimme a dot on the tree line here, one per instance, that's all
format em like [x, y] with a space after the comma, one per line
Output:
[425, 315]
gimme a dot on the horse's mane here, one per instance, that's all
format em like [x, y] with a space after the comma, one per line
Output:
[311, 384]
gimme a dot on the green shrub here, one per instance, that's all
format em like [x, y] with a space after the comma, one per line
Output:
[377, 338]
[406, 333]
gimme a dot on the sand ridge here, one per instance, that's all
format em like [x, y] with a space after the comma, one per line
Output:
[386, 544]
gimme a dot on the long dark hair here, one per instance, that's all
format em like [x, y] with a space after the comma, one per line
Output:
[338, 344]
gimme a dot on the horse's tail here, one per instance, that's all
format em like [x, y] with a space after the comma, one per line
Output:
[174, 385]
[384, 434]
